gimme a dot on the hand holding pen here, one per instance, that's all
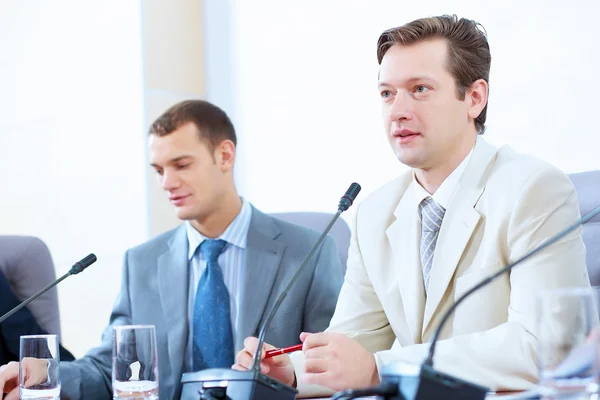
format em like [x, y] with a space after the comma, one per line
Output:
[283, 350]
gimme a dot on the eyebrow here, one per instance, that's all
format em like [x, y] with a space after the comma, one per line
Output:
[410, 80]
[173, 160]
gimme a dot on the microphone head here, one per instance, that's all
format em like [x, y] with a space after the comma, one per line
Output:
[83, 264]
[347, 199]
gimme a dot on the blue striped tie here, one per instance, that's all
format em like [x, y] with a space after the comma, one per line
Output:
[432, 215]
[213, 338]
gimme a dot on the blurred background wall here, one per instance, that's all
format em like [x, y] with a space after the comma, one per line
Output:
[80, 81]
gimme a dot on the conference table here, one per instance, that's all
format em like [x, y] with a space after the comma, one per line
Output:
[492, 395]
[502, 396]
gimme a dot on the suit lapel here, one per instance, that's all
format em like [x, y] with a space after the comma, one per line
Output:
[263, 257]
[458, 225]
[173, 281]
[403, 237]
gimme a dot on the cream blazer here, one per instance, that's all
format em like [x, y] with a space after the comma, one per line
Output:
[504, 205]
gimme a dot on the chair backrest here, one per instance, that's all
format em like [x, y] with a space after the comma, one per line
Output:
[26, 263]
[587, 185]
[318, 221]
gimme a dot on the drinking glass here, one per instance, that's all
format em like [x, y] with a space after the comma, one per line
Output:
[567, 323]
[39, 375]
[135, 362]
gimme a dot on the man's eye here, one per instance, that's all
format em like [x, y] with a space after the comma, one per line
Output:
[421, 89]
[386, 93]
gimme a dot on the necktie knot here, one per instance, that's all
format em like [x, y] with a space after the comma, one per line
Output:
[211, 249]
[432, 215]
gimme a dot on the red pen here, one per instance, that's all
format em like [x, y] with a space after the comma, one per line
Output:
[283, 350]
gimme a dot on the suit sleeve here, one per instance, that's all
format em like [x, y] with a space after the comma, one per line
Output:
[89, 377]
[504, 356]
[324, 288]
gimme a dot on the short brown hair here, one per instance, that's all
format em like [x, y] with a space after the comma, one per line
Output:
[213, 123]
[469, 57]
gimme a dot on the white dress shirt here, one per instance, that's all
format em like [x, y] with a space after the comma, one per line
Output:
[444, 193]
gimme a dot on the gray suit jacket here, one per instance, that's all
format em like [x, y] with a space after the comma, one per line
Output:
[155, 291]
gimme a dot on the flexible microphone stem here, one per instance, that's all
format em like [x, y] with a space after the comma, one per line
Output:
[429, 360]
[345, 203]
[35, 296]
[75, 269]
[263, 331]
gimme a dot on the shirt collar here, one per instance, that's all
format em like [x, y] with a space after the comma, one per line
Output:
[236, 233]
[444, 193]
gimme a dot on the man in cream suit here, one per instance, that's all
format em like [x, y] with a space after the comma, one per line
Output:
[203, 306]
[463, 211]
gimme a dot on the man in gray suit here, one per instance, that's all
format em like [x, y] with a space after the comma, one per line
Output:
[209, 283]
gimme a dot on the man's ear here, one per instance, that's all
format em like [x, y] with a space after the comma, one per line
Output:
[225, 155]
[477, 95]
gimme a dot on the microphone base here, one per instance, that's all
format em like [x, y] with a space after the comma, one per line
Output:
[420, 382]
[228, 384]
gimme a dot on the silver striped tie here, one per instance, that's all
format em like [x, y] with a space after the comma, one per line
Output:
[432, 215]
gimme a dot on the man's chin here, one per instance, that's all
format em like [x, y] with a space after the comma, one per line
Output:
[409, 159]
[184, 215]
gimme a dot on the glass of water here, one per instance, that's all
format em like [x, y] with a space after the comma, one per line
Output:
[135, 362]
[567, 322]
[39, 375]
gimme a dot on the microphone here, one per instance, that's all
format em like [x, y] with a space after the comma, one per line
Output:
[400, 380]
[347, 200]
[215, 383]
[75, 269]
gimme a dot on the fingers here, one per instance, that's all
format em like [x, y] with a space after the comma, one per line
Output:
[316, 365]
[13, 394]
[304, 335]
[35, 371]
[318, 352]
[312, 340]
[9, 376]
[244, 357]
[280, 360]
[264, 368]
[239, 367]
[2, 377]
[250, 344]
[321, 378]
[245, 361]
